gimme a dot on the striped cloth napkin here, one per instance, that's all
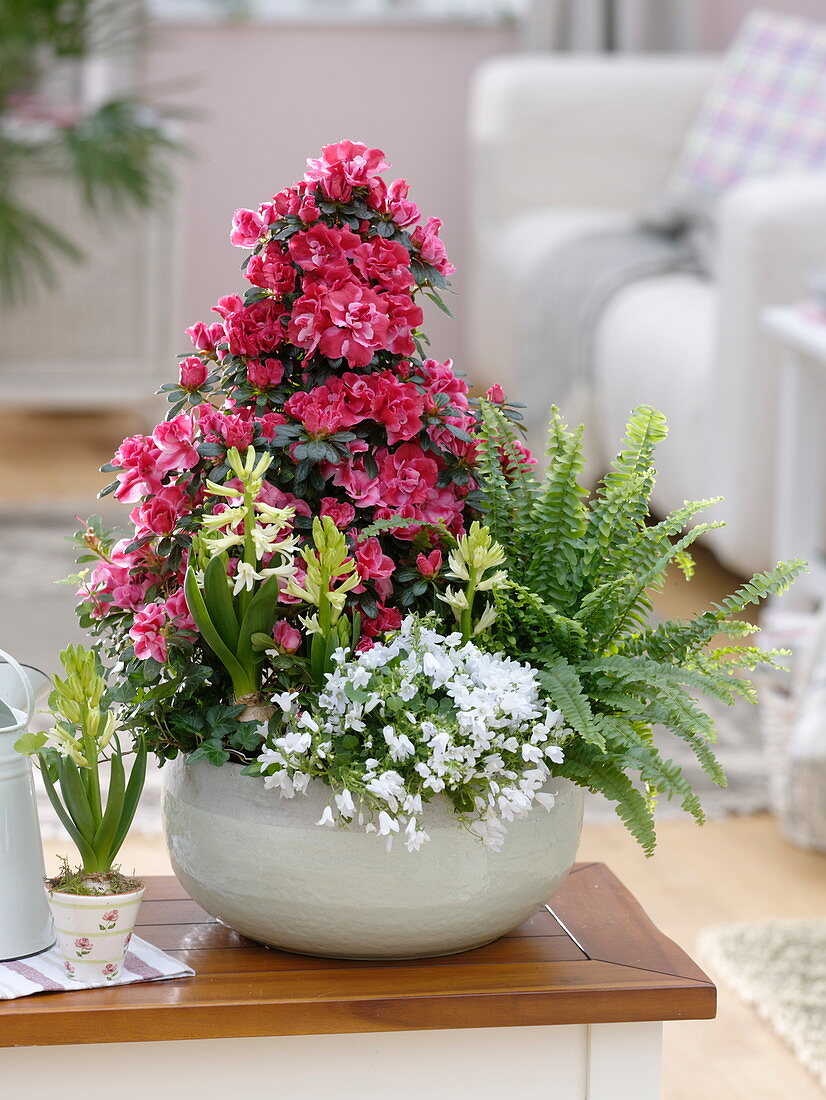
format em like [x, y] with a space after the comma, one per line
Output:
[45, 973]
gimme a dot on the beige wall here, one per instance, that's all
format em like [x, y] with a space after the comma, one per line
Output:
[269, 96]
[721, 18]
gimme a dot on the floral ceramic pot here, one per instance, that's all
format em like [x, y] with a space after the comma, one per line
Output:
[260, 863]
[93, 932]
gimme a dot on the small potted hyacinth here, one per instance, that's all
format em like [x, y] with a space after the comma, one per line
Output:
[95, 906]
[380, 659]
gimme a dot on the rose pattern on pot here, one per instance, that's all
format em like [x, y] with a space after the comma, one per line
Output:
[93, 933]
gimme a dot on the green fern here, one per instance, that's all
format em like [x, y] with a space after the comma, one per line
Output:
[577, 605]
[558, 519]
[588, 767]
[563, 685]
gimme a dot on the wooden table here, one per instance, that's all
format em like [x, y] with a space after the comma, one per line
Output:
[567, 1006]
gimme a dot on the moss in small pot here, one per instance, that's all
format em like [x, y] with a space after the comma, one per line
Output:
[71, 880]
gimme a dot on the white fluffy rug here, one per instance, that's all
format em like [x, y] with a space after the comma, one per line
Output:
[779, 967]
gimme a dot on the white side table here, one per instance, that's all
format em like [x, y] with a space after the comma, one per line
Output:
[801, 464]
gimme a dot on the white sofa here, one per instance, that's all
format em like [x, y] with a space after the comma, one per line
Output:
[563, 145]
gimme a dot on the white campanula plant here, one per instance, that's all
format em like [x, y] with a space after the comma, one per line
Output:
[420, 715]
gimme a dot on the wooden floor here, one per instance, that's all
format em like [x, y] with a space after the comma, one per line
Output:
[64, 464]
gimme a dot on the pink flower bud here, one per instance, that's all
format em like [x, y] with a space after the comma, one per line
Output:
[496, 394]
[430, 564]
[287, 638]
[193, 372]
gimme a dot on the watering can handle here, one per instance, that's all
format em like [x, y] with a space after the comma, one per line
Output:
[27, 686]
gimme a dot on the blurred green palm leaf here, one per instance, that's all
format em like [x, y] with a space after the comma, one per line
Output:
[116, 155]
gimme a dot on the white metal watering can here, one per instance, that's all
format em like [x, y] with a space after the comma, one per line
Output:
[25, 921]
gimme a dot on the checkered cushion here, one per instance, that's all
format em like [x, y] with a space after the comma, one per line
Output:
[766, 112]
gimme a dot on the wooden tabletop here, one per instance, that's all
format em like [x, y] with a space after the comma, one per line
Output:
[590, 956]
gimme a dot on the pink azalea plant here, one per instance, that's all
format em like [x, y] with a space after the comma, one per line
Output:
[321, 366]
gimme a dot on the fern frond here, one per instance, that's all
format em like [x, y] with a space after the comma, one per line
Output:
[637, 603]
[646, 429]
[509, 498]
[638, 752]
[597, 610]
[619, 669]
[586, 766]
[391, 523]
[748, 657]
[524, 624]
[617, 514]
[558, 520]
[561, 682]
[674, 641]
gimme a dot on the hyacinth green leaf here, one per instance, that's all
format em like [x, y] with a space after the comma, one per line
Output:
[198, 610]
[134, 789]
[258, 619]
[218, 601]
[76, 799]
[87, 853]
[114, 808]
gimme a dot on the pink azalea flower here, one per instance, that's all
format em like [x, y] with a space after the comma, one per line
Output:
[364, 491]
[340, 512]
[205, 337]
[375, 566]
[236, 431]
[407, 475]
[147, 633]
[399, 407]
[138, 475]
[247, 228]
[358, 324]
[431, 247]
[322, 411]
[439, 378]
[387, 618]
[272, 269]
[266, 374]
[496, 394]
[177, 611]
[402, 210]
[385, 262]
[343, 166]
[159, 514]
[254, 329]
[323, 248]
[175, 439]
[404, 315]
[228, 304]
[269, 423]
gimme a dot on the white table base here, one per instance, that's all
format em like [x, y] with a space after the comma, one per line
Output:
[561, 1062]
